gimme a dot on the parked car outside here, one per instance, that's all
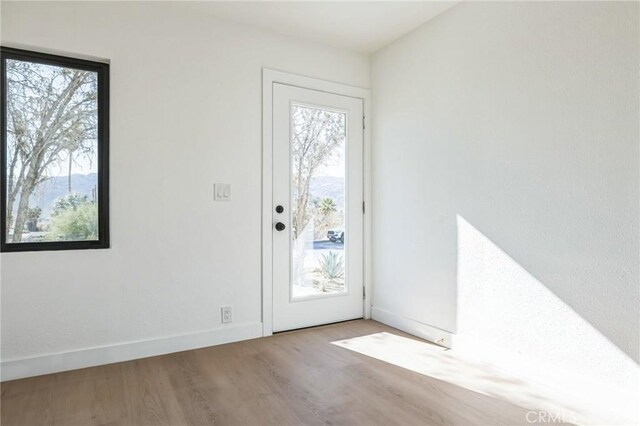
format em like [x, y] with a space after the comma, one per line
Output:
[335, 235]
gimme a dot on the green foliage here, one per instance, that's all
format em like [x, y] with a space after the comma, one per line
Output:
[326, 206]
[332, 265]
[70, 201]
[325, 216]
[33, 214]
[75, 221]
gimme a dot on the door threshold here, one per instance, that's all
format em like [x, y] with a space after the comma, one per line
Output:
[318, 326]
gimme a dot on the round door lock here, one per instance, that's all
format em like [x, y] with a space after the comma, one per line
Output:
[279, 209]
[280, 226]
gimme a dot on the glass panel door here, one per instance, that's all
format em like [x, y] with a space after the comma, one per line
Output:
[317, 207]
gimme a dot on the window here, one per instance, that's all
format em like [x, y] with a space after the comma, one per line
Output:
[55, 153]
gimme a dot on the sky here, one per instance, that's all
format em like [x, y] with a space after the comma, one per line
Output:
[80, 166]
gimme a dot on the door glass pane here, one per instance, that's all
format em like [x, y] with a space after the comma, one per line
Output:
[318, 260]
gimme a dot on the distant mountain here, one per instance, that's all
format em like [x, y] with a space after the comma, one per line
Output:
[50, 190]
[328, 186]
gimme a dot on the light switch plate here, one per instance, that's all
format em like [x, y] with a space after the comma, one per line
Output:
[222, 192]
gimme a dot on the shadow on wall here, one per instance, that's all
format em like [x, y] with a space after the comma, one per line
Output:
[506, 312]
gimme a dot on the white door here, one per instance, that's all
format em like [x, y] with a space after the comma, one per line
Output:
[317, 207]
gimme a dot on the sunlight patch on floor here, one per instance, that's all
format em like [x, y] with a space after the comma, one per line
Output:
[443, 364]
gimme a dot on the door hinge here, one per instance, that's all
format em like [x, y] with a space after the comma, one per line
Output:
[364, 293]
[363, 207]
[363, 127]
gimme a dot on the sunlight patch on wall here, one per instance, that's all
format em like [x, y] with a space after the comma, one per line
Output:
[505, 315]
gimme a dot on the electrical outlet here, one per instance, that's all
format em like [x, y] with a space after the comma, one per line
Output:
[226, 314]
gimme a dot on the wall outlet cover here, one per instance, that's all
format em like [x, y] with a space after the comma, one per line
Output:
[227, 316]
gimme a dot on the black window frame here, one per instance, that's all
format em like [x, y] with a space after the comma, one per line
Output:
[102, 70]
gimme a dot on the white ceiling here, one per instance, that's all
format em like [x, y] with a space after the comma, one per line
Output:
[362, 26]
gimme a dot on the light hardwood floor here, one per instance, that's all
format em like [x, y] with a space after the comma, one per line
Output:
[291, 378]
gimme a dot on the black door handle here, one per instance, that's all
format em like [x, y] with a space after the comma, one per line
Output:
[280, 226]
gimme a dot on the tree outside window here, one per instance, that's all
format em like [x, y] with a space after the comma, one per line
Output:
[55, 152]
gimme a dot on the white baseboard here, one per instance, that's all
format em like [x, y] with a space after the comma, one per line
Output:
[596, 399]
[91, 357]
[408, 325]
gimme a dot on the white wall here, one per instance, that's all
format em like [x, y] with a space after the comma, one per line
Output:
[185, 113]
[506, 166]
[506, 181]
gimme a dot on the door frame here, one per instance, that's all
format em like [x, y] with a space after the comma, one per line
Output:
[269, 77]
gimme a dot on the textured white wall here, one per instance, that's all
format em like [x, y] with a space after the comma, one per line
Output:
[505, 160]
[185, 113]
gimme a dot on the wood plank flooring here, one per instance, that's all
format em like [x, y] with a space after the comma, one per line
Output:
[295, 378]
